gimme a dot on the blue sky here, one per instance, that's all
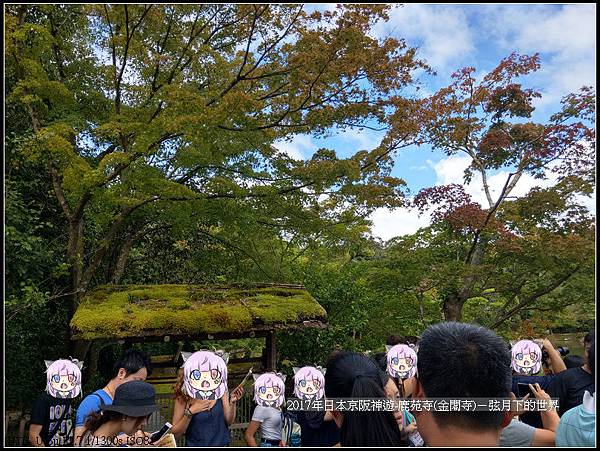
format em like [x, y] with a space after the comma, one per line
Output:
[449, 37]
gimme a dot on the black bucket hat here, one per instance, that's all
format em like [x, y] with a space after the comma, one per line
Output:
[134, 399]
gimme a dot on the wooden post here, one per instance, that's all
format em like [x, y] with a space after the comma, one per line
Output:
[271, 351]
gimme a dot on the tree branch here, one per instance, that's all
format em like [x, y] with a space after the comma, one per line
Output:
[541, 292]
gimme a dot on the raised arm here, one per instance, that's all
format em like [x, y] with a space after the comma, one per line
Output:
[556, 361]
[550, 420]
[230, 404]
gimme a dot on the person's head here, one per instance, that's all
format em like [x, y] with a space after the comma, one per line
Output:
[133, 366]
[459, 360]
[588, 341]
[591, 358]
[574, 361]
[526, 357]
[269, 389]
[589, 338]
[134, 402]
[353, 375]
[309, 382]
[205, 371]
[401, 361]
[63, 378]
[393, 340]
[389, 386]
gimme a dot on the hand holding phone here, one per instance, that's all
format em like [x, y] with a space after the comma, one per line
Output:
[156, 436]
[524, 390]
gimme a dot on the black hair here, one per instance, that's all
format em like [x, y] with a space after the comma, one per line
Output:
[97, 419]
[132, 362]
[590, 337]
[592, 358]
[353, 375]
[462, 360]
[393, 340]
[574, 361]
[380, 360]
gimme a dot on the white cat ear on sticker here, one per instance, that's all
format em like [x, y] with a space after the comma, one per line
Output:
[296, 369]
[224, 355]
[48, 363]
[185, 355]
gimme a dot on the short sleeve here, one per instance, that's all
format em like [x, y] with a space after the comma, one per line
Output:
[39, 413]
[89, 405]
[557, 388]
[517, 434]
[259, 414]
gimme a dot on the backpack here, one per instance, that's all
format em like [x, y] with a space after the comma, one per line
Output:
[290, 433]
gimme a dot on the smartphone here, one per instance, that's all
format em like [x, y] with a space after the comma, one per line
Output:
[523, 389]
[156, 436]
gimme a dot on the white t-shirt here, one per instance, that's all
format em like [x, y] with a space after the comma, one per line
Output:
[270, 422]
[517, 433]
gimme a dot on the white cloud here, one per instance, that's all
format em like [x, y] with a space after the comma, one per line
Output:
[361, 139]
[300, 147]
[565, 36]
[451, 170]
[388, 224]
[403, 221]
[442, 33]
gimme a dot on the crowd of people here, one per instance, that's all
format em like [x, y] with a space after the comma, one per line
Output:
[449, 360]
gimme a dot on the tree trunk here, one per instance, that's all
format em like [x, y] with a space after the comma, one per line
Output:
[119, 268]
[421, 310]
[75, 257]
[453, 303]
[80, 349]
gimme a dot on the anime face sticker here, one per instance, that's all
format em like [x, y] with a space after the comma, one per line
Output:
[205, 374]
[401, 361]
[63, 378]
[526, 357]
[269, 389]
[309, 382]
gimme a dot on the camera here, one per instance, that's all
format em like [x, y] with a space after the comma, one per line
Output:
[562, 350]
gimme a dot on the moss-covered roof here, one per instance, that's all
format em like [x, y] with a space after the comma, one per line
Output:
[129, 311]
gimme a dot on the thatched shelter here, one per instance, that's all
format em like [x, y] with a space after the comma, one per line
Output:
[139, 313]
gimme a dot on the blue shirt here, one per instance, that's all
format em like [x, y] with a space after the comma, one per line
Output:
[208, 428]
[577, 427]
[91, 404]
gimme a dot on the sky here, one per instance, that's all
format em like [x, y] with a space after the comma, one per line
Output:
[450, 37]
